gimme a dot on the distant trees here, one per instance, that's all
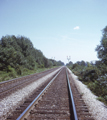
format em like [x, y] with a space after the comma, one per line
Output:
[59, 63]
[82, 63]
[69, 64]
[54, 62]
[19, 52]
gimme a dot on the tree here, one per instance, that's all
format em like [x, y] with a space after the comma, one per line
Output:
[82, 63]
[18, 52]
[15, 51]
[102, 48]
[70, 64]
[60, 63]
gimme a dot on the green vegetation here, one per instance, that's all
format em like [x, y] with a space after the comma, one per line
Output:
[94, 75]
[18, 57]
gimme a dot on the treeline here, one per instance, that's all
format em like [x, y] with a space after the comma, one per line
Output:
[18, 53]
[94, 74]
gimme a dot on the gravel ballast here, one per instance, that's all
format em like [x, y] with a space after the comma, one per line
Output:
[9, 103]
[96, 108]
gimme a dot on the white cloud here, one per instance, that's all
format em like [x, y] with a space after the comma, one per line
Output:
[76, 28]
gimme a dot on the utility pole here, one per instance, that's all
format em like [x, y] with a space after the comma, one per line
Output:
[68, 58]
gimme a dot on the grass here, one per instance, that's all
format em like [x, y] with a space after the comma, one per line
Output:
[4, 76]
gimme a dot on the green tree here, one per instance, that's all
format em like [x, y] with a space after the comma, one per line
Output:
[70, 64]
[102, 48]
[18, 52]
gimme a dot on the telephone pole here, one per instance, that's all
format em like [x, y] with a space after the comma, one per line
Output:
[68, 58]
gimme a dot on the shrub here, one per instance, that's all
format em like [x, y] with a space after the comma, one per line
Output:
[89, 74]
[95, 87]
[101, 99]
[98, 88]
[11, 71]
[13, 75]
[105, 97]
[19, 70]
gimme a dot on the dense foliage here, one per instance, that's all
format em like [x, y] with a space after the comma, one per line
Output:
[18, 53]
[102, 48]
[94, 75]
[69, 64]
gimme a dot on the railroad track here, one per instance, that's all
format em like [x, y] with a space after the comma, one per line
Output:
[10, 86]
[54, 101]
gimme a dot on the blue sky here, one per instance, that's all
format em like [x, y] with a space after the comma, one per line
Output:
[59, 28]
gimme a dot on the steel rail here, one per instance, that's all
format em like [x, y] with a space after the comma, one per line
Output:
[12, 80]
[16, 83]
[71, 98]
[27, 110]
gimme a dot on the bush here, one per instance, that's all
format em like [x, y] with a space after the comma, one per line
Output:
[89, 74]
[11, 71]
[95, 87]
[13, 75]
[98, 88]
[19, 70]
[105, 97]
[101, 99]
